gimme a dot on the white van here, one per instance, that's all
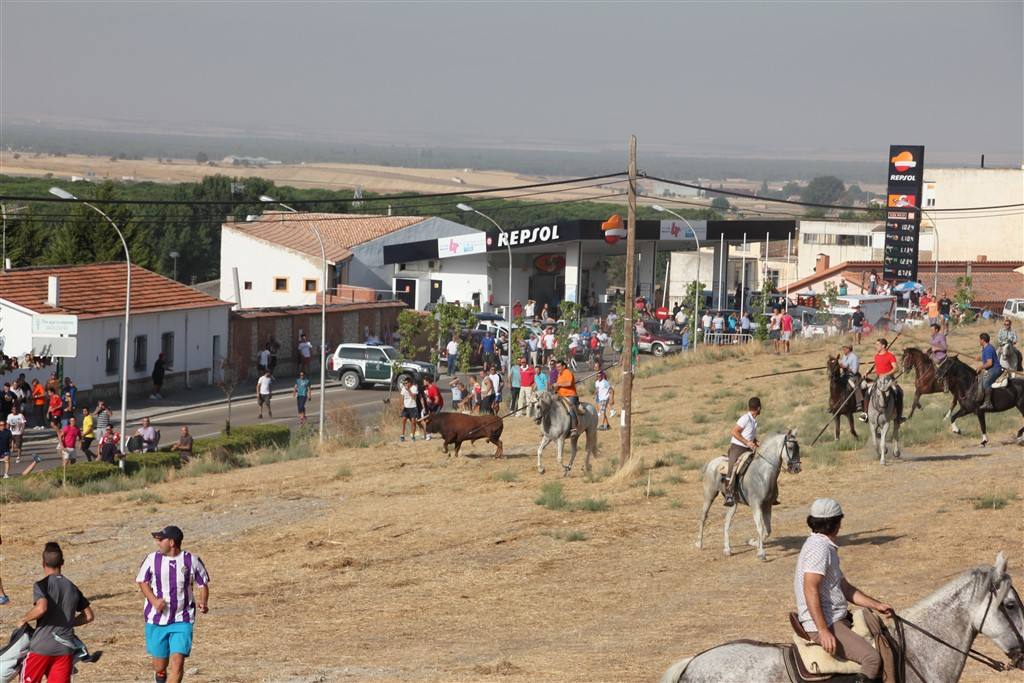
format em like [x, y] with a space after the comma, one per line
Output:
[1014, 308]
[875, 307]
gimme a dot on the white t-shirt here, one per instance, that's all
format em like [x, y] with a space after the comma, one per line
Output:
[549, 342]
[748, 428]
[775, 322]
[705, 321]
[495, 382]
[529, 309]
[263, 385]
[603, 388]
[305, 348]
[680, 317]
[263, 358]
[16, 423]
[409, 396]
[452, 348]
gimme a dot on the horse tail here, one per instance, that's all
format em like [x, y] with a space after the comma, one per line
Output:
[675, 672]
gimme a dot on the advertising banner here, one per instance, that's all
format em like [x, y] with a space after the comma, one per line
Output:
[902, 221]
[675, 229]
[460, 245]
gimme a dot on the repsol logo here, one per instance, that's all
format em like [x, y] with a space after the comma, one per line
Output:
[539, 235]
[903, 177]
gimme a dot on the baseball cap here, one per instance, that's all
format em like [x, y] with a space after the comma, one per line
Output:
[171, 532]
[825, 508]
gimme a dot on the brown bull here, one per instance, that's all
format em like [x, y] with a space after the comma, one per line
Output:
[455, 428]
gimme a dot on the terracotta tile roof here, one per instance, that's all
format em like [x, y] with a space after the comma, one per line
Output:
[341, 231]
[96, 290]
[310, 310]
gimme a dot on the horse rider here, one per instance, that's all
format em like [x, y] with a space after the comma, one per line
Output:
[990, 369]
[884, 366]
[823, 593]
[937, 348]
[1007, 335]
[565, 386]
[744, 438]
[850, 365]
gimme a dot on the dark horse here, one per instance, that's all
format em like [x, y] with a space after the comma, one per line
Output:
[926, 379]
[840, 393]
[963, 384]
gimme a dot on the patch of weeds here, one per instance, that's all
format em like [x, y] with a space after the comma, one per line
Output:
[648, 435]
[700, 418]
[506, 475]
[142, 497]
[656, 493]
[21, 491]
[993, 501]
[825, 458]
[676, 504]
[203, 466]
[570, 536]
[343, 472]
[552, 496]
[683, 462]
[151, 509]
[720, 393]
[801, 381]
[674, 479]
[661, 461]
[592, 505]
[300, 449]
[668, 395]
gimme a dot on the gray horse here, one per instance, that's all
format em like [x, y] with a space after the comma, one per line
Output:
[1010, 357]
[758, 487]
[982, 600]
[885, 412]
[553, 417]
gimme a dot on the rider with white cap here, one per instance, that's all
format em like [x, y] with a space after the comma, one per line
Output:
[822, 593]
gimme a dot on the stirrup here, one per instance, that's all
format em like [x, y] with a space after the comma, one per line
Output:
[729, 501]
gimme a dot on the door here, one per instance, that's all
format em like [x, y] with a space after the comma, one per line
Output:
[215, 361]
[405, 290]
[435, 291]
[378, 367]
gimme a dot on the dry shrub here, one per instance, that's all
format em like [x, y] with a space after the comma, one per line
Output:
[345, 427]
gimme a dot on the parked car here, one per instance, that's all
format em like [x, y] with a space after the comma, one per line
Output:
[1014, 308]
[657, 344]
[359, 365]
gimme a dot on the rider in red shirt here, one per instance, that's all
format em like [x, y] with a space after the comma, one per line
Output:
[885, 364]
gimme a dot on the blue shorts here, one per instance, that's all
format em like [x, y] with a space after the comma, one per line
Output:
[161, 641]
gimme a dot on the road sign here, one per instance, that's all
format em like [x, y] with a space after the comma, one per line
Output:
[54, 325]
[56, 347]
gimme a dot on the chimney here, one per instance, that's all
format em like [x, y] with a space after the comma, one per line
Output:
[53, 291]
[983, 161]
[821, 263]
[982, 258]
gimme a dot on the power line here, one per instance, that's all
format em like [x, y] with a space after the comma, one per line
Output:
[733, 193]
[308, 202]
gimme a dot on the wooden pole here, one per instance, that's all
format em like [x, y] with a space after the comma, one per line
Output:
[627, 323]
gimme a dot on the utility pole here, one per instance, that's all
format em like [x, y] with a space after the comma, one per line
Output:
[627, 323]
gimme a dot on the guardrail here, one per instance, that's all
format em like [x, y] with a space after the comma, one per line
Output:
[722, 338]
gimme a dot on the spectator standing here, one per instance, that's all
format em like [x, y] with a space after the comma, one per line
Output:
[531, 307]
[54, 409]
[275, 349]
[183, 447]
[305, 353]
[7, 400]
[486, 396]
[68, 404]
[410, 411]
[301, 393]
[88, 434]
[545, 315]
[474, 394]
[433, 400]
[933, 312]
[605, 395]
[6, 445]
[495, 378]
[452, 350]
[147, 433]
[159, 370]
[39, 404]
[70, 388]
[263, 360]
[176, 585]
[857, 324]
[775, 330]
[103, 417]
[873, 282]
[58, 607]
[786, 329]
[842, 287]
[16, 423]
[458, 390]
[705, 321]
[945, 308]
[517, 309]
[541, 378]
[263, 393]
[487, 348]
[527, 382]
[532, 344]
[515, 381]
[745, 322]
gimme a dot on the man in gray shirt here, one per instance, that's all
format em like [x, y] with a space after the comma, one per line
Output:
[58, 608]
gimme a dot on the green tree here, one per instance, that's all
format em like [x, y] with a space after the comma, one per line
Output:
[823, 190]
[201, 158]
[720, 203]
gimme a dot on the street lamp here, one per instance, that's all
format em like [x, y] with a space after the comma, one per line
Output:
[174, 255]
[696, 294]
[64, 194]
[323, 309]
[508, 307]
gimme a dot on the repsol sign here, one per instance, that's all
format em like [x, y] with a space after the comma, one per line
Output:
[524, 236]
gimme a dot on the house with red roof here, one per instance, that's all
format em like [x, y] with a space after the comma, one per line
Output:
[79, 310]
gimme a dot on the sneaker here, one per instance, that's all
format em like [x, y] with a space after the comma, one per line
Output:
[413, 437]
[17, 460]
[427, 437]
[7, 476]
[4, 599]
[729, 502]
[402, 437]
[160, 678]
[36, 459]
[152, 397]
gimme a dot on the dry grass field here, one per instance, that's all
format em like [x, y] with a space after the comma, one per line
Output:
[394, 563]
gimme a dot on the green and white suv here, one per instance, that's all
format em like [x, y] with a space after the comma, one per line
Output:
[359, 365]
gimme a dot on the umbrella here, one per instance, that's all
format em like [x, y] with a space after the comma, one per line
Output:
[909, 287]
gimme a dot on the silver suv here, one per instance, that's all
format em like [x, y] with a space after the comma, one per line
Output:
[360, 365]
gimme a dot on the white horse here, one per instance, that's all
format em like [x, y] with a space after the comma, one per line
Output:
[553, 417]
[885, 412]
[938, 634]
[758, 487]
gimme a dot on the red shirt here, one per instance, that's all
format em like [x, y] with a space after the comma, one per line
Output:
[526, 376]
[56, 405]
[433, 395]
[885, 363]
[69, 436]
[787, 323]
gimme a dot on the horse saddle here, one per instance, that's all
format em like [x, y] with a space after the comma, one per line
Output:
[808, 662]
[741, 465]
[1003, 380]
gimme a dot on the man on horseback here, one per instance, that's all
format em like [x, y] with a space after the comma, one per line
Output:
[1007, 335]
[744, 438]
[885, 365]
[566, 388]
[823, 593]
[937, 344]
[989, 371]
[850, 364]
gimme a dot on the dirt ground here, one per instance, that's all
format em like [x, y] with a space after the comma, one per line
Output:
[396, 563]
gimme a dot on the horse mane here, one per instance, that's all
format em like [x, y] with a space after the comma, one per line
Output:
[959, 371]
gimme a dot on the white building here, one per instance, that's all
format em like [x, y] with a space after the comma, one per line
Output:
[278, 259]
[843, 241]
[190, 328]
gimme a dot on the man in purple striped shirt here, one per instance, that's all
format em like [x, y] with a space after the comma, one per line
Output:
[175, 583]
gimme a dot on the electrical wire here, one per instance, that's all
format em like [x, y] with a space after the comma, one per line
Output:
[733, 193]
[308, 202]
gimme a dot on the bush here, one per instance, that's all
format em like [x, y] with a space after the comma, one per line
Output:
[244, 438]
[591, 505]
[551, 496]
[77, 474]
[506, 475]
[161, 459]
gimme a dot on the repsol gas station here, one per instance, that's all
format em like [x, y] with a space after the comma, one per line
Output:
[557, 261]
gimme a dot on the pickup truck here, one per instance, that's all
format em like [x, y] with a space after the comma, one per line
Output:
[1014, 308]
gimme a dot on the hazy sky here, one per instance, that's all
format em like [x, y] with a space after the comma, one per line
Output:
[723, 78]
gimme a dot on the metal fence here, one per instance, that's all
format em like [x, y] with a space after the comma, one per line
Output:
[722, 338]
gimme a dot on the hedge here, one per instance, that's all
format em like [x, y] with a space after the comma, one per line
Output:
[244, 438]
[78, 474]
[136, 461]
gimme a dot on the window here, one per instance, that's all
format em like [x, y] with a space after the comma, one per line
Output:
[113, 352]
[141, 342]
[376, 355]
[167, 347]
[352, 353]
[280, 284]
[310, 285]
[247, 285]
[772, 278]
[840, 240]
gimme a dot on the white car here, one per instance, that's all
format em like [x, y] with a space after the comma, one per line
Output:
[1014, 308]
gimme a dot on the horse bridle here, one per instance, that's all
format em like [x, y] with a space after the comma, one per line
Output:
[788, 440]
[1016, 655]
